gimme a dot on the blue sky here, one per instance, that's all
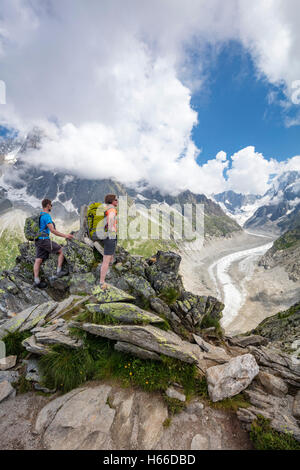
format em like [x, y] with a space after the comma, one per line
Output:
[234, 112]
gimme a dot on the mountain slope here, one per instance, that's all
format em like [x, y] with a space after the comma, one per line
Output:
[285, 252]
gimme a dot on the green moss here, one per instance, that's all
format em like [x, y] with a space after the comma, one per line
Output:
[13, 343]
[266, 438]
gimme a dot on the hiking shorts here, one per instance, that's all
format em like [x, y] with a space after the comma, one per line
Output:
[109, 245]
[45, 247]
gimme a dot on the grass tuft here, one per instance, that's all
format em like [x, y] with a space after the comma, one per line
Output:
[266, 438]
[13, 343]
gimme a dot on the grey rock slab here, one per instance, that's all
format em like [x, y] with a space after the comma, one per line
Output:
[8, 362]
[57, 337]
[38, 314]
[111, 294]
[212, 352]
[32, 346]
[147, 337]
[6, 391]
[47, 414]
[82, 421]
[279, 410]
[10, 376]
[245, 341]
[171, 392]
[125, 313]
[272, 384]
[229, 379]
[27, 319]
[136, 351]
[67, 305]
[14, 323]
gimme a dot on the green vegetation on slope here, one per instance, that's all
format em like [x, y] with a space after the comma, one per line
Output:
[64, 368]
[290, 239]
[265, 438]
[9, 249]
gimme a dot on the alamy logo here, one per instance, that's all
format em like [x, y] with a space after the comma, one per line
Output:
[2, 92]
[159, 222]
[296, 94]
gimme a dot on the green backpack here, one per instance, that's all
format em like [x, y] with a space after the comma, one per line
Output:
[96, 221]
[32, 228]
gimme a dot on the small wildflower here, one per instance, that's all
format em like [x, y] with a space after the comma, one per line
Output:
[125, 367]
[130, 373]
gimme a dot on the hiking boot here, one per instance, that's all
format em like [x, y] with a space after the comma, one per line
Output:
[40, 285]
[61, 274]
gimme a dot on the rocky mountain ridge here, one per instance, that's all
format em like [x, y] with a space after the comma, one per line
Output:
[153, 334]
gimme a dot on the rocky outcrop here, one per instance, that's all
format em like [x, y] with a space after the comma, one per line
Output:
[27, 319]
[278, 363]
[283, 330]
[279, 410]
[285, 252]
[57, 333]
[146, 313]
[230, 379]
[108, 417]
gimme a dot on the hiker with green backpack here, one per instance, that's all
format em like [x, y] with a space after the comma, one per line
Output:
[38, 229]
[102, 226]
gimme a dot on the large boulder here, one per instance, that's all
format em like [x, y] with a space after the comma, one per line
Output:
[163, 273]
[229, 379]
[6, 391]
[102, 417]
[193, 309]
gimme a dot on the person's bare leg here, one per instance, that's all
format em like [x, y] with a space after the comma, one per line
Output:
[104, 268]
[36, 267]
[60, 259]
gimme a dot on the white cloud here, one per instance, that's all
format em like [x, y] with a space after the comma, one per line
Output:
[114, 75]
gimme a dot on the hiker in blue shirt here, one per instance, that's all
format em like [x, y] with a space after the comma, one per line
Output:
[45, 246]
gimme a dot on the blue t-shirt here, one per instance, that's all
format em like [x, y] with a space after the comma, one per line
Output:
[44, 221]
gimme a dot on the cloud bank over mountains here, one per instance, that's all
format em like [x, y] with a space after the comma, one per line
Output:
[110, 83]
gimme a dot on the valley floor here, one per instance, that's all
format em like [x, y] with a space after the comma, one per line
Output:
[228, 270]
